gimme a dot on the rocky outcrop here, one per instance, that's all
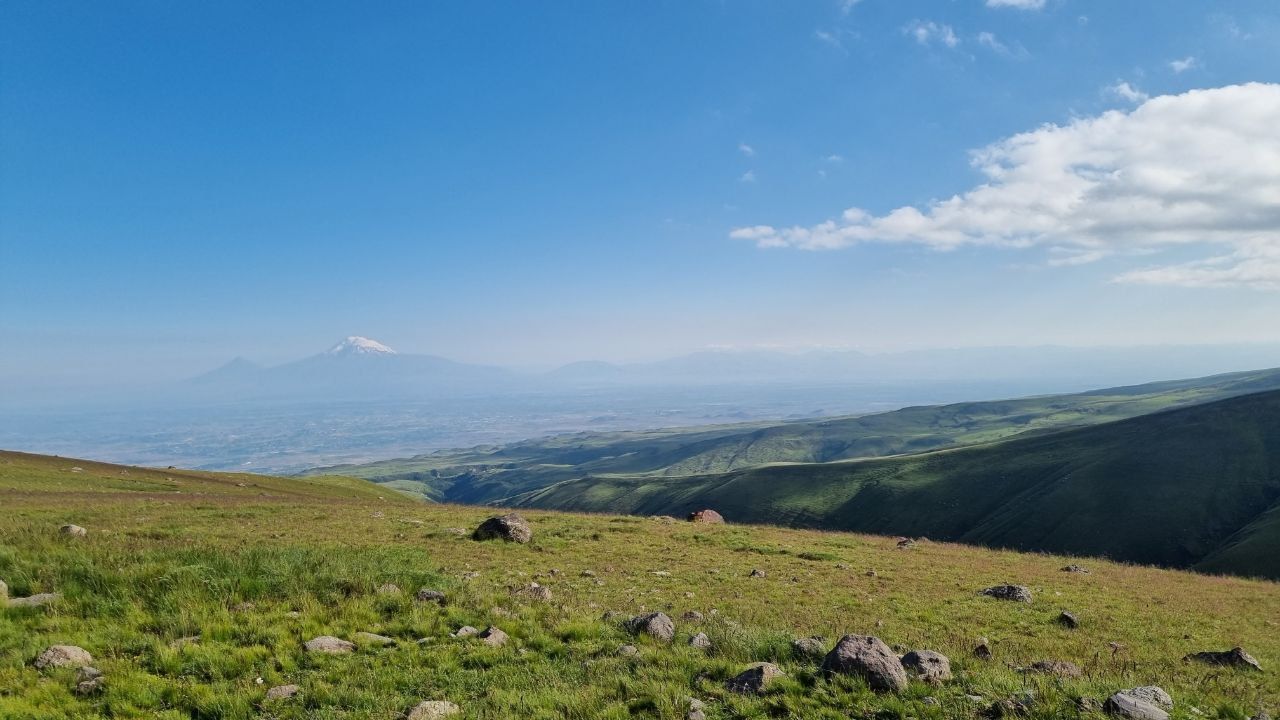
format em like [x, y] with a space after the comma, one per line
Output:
[1012, 593]
[1235, 657]
[708, 516]
[510, 527]
[869, 658]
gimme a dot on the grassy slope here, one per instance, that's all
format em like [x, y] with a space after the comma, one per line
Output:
[156, 568]
[1173, 488]
[492, 474]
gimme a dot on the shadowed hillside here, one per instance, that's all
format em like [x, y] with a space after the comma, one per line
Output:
[1193, 487]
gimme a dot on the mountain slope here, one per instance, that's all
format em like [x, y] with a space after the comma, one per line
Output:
[1174, 488]
[489, 474]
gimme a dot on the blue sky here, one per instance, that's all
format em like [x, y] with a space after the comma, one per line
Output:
[532, 183]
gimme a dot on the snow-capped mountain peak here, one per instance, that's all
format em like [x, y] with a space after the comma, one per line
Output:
[356, 345]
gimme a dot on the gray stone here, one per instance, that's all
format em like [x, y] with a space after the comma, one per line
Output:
[58, 656]
[1060, 668]
[433, 710]
[510, 527]
[692, 616]
[368, 638]
[282, 692]
[754, 679]
[810, 648]
[73, 530]
[656, 625]
[700, 641]
[930, 666]
[429, 595]
[627, 651]
[1134, 707]
[708, 516]
[697, 710]
[869, 658]
[1152, 694]
[1013, 593]
[1069, 620]
[329, 645]
[757, 573]
[37, 600]
[534, 591]
[1075, 569]
[493, 637]
[389, 589]
[465, 631]
[4, 593]
[1235, 657]
[982, 650]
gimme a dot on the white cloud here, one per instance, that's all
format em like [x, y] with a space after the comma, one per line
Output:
[746, 149]
[1183, 65]
[834, 159]
[989, 40]
[748, 177]
[1019, 4]
[1123, 90]
[846, 6]
[927, 33]
[1198, 171]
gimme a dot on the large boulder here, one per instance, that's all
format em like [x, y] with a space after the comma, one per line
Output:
[708, 516]
[58, 656]
[1235, 657]
[73, 530]
[1013, 593]
[930, 666]
[869, 658]
[329, 645]
[433, 710]
[510, 527]
[656, 625]
[1137, 704]
[754, 679]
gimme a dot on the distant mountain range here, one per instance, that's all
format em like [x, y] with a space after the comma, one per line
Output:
[1178, 473]
[362, 368]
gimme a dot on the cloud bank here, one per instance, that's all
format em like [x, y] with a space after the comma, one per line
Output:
[1200, 171]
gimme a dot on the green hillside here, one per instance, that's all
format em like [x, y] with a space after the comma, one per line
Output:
[195, 594]
[1192, 487]
[492, 474]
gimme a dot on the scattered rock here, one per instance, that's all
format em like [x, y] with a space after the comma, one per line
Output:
[906, 543]
[1235, 657]
[429, 595]
[73, 531]
[493, 637]
[1088, 705]
[533, 591]
[37, 600]
[1069, 620]
[389, 589]
[1152, 694]
[983, 649]
[869, 658]
[510, 527]
[656, 625]
[700, 641]
[588, 573]
[282, 692]
[757, 573]
[89, 680]
[1136, 705]
[1007, 708]
[810, 648]
[1061, 668]
[692, 616]
[754, 679]
[930, 666]
[872, 573]
[433, 710]
[59, 656]
[697, 710]
[1262, 715]
[368, 638]
[465, 631]
[1075, 569]
[329, 645]
[707, 516]
[1014, 593]
[627, 651]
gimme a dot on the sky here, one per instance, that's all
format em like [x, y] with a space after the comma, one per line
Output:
[526, 184]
